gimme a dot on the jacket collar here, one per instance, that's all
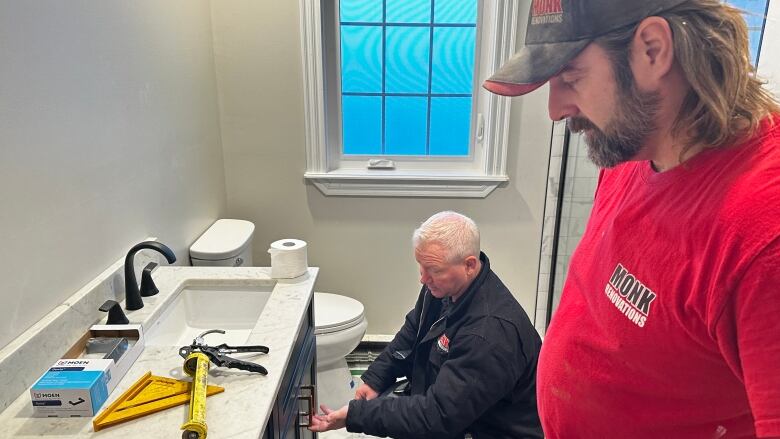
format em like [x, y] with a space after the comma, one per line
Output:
[456, 309]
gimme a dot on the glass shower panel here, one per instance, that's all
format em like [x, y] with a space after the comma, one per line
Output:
[579, 185]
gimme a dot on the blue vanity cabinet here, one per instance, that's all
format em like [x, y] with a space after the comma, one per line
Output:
[295, 401]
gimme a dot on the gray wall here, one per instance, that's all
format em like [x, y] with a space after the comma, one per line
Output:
[109, 133]
[362, 244]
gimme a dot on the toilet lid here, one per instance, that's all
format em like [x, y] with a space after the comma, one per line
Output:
[225, 239]
[335, 313]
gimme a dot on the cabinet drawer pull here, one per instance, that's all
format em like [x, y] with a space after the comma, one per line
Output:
[310, 399]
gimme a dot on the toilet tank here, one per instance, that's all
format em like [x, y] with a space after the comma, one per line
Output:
[227, 243]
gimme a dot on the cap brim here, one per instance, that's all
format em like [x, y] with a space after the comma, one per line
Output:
[532, 66]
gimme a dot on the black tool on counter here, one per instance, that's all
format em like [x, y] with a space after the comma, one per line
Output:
[217, 353]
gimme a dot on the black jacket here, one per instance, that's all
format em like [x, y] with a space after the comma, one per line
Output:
[471, 365]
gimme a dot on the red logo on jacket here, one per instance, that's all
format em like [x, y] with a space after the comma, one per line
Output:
[444, 343]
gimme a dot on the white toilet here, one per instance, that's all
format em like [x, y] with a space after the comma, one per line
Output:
[340, 325]
[227, 243]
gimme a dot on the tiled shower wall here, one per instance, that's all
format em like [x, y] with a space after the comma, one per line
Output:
[579, 185]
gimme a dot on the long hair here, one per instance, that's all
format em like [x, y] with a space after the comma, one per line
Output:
[726, 100]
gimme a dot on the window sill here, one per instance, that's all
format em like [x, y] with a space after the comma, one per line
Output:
[394, 184]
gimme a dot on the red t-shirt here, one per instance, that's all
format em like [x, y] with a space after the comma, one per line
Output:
[669, 323]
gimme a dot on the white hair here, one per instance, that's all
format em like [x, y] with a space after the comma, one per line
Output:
[457, 233]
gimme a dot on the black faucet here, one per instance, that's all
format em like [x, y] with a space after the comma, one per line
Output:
[133, 299]
[148, 288]
[115, 314]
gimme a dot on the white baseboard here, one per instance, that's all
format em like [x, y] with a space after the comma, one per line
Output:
[378, 338]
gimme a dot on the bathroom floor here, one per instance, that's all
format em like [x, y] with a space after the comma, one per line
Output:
[358, 361]
[343, 433]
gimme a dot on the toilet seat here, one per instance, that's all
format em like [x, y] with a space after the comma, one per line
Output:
[334, 313]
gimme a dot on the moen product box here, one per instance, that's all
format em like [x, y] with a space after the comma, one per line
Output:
[80, 382]
[135, 337]
[72, 387]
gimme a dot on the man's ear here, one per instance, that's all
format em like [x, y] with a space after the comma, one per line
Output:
[471, 264]
[652, 53]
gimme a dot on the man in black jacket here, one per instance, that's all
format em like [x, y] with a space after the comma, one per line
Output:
[468, 349]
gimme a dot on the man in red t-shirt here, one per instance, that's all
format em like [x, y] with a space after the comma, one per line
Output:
[668, 323]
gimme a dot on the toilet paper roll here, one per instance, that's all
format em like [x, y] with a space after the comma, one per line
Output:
[288, 258]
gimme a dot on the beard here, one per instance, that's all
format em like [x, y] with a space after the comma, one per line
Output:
[624, 136]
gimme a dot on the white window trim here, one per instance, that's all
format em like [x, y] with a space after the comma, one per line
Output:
[322, 162]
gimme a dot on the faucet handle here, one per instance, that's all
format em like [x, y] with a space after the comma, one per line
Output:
[148, 288]
[115, 314]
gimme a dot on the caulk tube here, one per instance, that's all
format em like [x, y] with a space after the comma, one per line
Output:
[197, 366]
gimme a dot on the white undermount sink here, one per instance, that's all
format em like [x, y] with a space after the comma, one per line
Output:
[196, 309]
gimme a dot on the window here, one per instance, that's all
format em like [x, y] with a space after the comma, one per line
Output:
[755, 15]
[394, 104]
[407, 77]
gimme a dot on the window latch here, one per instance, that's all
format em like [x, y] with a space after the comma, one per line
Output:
[380, 164]
[480, 127]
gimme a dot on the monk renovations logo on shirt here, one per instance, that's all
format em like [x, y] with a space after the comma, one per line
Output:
[546, 11]
[630, 296]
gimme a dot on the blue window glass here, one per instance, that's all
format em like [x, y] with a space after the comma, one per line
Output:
[755, 16]
[407, 71]
[755, 40]
[450, 126]
[361, 59]
[405, 125]
[365, 11]
[455, 11]
[409, 11]
[407, 59]
[362, 124]
[453, 59]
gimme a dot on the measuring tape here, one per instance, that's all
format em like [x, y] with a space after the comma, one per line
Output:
[197, 366]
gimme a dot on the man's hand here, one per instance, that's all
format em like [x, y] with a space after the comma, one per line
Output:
[329, 420]
[364, 391]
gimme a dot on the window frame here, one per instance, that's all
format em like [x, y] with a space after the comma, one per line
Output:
[473, 176]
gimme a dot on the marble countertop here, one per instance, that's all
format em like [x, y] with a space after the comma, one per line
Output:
[241, 411]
